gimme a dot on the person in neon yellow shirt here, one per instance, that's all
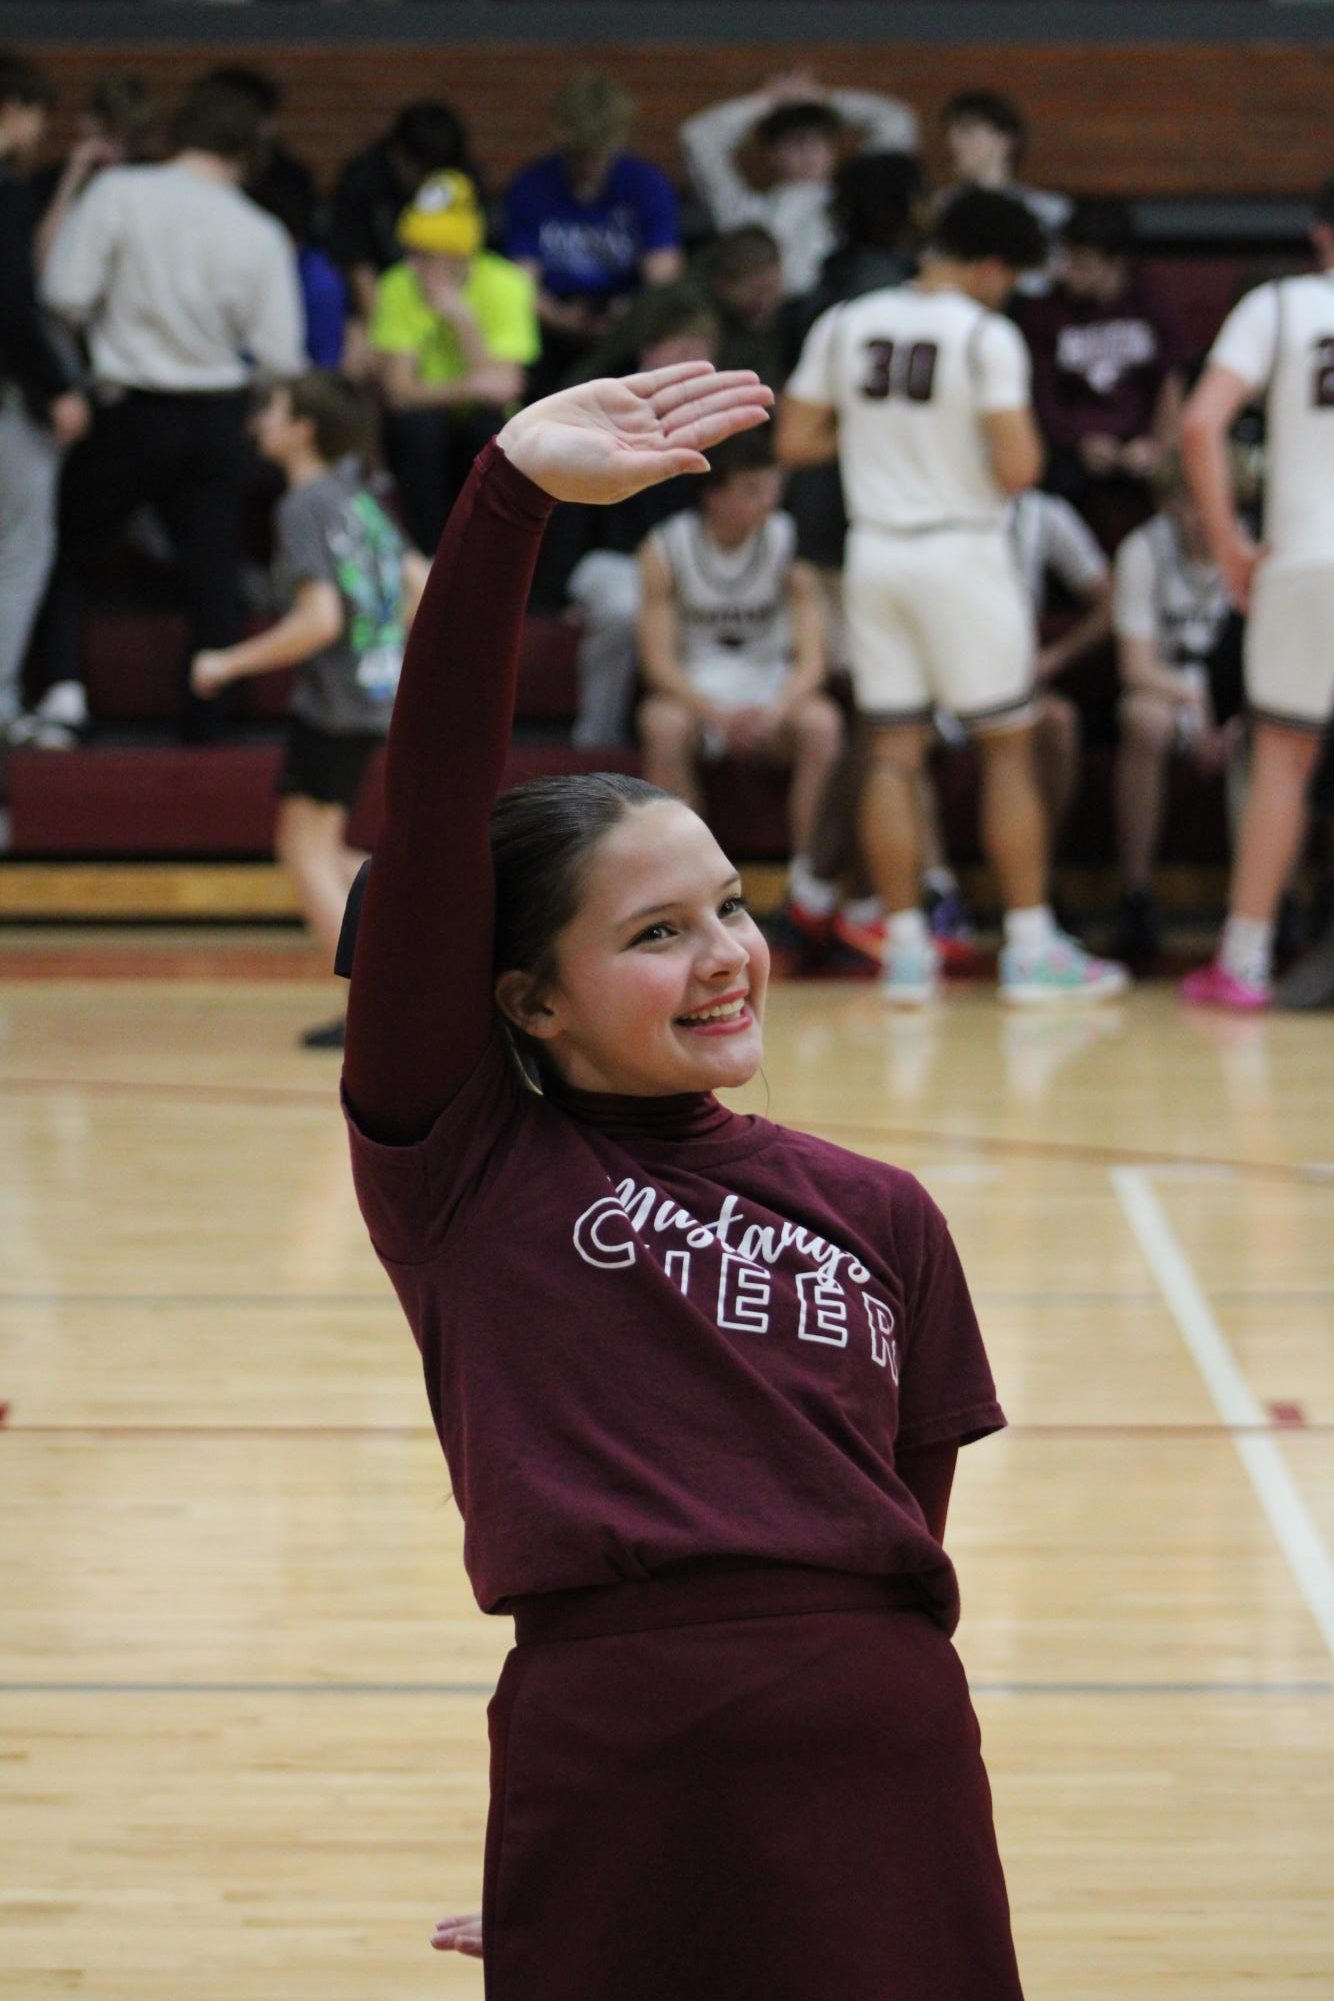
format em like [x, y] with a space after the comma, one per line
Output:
[452, 330]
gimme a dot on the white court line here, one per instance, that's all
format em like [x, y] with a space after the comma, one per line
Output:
[1277, 1492]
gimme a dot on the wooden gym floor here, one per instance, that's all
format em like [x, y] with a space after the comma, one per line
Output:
[242, 1681]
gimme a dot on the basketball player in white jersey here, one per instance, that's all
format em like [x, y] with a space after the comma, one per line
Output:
[1277, 343]
[923, 392]
[731, 643]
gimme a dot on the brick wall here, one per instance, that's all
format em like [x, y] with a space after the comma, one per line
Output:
[1134, 120]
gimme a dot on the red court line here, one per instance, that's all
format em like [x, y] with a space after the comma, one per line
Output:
[124, 962]
[1059, 1149]
[1274, 1170]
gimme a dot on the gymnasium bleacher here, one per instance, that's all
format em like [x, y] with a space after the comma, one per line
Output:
[1184, 129]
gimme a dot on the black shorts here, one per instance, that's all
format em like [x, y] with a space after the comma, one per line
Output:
[323, 766]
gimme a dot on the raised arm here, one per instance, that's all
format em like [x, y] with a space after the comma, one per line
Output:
[420, 1010]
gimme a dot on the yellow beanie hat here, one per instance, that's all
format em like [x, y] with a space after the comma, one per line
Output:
[444, 218]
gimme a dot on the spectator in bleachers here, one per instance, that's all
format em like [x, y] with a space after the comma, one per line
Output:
[374, 188]
[185, 290]
[591, 222]
[354, 589]
[731, 641]
[798, 129]
[120, 125]
[326, 301]
[1179, 649]
[675, 324]
[741, 276]
[1107, 372]
[733, 292]
[986, 135]
[281, 183]
[452, 330]
[41, 408]
[875, 212]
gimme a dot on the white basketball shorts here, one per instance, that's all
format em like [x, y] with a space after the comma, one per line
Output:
[1290, 644]
[939, 619]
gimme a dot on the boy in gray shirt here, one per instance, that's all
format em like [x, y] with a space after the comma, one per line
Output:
[355, 586]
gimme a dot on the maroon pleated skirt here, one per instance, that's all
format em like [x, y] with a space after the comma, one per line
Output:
[748, 1784]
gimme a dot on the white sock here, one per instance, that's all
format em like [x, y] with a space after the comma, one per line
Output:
[1246, 950]
[908, 927]
[943, 881]
[1030, 930]
[810, 891]
[864, 910]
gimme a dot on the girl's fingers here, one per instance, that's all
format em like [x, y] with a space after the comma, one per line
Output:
[651, 380]
[744, 396]
[733, 380]
[719, 424]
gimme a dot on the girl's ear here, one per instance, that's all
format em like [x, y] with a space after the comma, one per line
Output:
[520, 1001]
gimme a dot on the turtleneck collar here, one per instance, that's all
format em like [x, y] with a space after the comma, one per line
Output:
[689, 1115]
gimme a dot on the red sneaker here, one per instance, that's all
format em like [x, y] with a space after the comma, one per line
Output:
[859, 949]
[1215, 986]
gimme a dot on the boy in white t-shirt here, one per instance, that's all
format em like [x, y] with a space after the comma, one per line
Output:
[1278, 343]
[923, 393]
[731, 643]
[1175, 645]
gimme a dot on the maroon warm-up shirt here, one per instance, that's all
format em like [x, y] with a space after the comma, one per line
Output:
[653, 1331]
[1099, 366]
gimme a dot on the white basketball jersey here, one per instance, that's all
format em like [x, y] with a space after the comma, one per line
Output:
[733, 620]
[1050, 540]
[1177, 601]
[1280, 340]
[910, 373]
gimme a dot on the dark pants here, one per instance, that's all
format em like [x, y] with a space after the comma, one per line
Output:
[761, 1785]
[430, 454]
[188, 457]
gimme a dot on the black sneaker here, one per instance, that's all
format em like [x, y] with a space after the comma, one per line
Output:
[331, 1036]
[798, 940]
[1137, 940]
[1311, 981]
[1290, 935]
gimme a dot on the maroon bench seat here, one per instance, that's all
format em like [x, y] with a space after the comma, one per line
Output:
[218, 803]
[185, 802]
[133, 657]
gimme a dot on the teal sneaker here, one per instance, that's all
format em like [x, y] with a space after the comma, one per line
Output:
[1058, 971]
[910, 974]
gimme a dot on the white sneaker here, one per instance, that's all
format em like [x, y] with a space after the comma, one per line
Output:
[1058, 971]
[35, 733]
[910, 974]
[64, 703]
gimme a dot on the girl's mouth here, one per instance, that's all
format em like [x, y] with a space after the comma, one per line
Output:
[722, 1018]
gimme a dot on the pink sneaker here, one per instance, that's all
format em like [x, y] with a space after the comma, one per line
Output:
[1214, 986]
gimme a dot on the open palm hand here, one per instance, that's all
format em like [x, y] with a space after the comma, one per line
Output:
[601, 441]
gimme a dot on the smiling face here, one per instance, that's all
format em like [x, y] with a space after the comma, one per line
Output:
[660, 974]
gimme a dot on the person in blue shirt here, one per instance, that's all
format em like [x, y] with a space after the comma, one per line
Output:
[590, 221]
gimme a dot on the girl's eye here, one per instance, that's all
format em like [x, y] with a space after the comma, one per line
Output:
[653, 935]
[731, 906]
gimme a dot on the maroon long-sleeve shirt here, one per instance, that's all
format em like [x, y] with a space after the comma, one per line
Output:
[652, 1330]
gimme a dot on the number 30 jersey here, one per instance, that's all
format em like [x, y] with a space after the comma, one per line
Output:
[1280, 340]
[910, 373]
